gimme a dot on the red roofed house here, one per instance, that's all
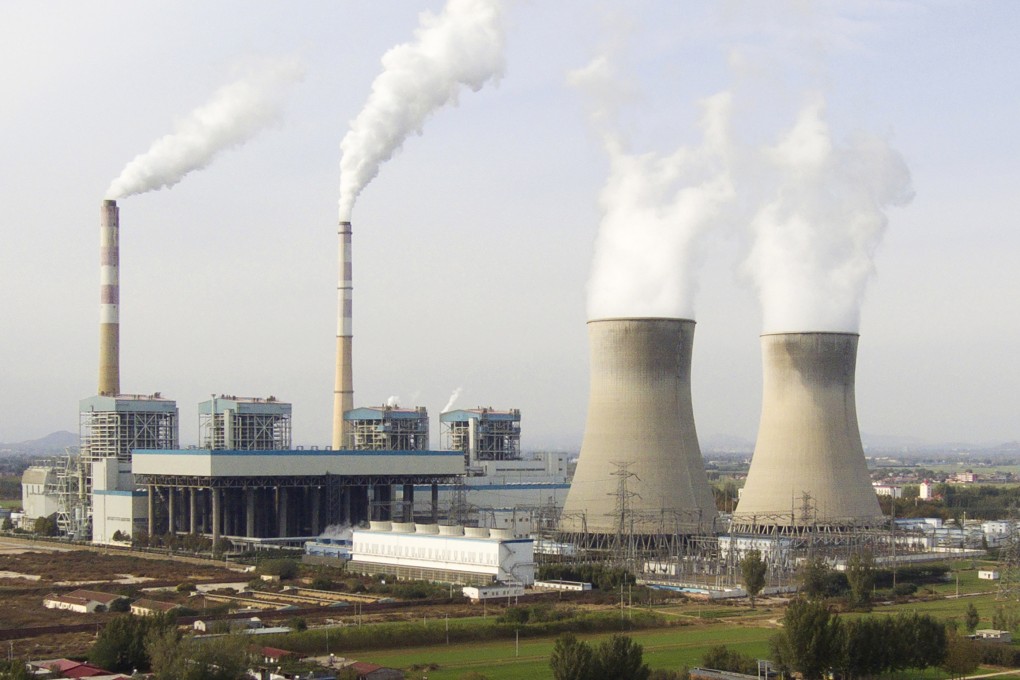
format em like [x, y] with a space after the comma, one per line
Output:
[81, 601]
[371, 671]
[274, 655]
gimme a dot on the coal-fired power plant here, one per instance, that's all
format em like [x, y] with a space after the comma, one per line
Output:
[109, 299]
[640, 468]
[808, 467]
[343, 389]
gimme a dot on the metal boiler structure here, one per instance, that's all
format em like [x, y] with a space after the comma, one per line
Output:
[808, 468]
[640, 470]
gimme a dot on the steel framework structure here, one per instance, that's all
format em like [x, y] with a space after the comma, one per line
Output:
[384, 431]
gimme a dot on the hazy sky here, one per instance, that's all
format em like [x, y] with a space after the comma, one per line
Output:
[473, 246]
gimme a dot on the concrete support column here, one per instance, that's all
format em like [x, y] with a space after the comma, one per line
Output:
[435, 502]
[193, 511]
[282, 511]
[316, 504]
[217, 515]
[409, 502]
[170, 519]
[152, 509]
[249, 519]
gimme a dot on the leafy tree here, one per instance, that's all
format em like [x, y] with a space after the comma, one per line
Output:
[7, 526]
[860, 574]
[176, 658]
[284, 568]
[663, 674]
[620, 658]
[1004, 619]
[46, 526]
[810, 641]
[14, 670]
[961, 656]
[817, 579]
[752, 570]
[572, 659]
[722, 658]
[120, 605]
[971, 619]
[141, 538]
[120, 646]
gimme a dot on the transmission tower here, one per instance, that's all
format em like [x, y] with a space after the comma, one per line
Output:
[1009, 561]
[623, 550]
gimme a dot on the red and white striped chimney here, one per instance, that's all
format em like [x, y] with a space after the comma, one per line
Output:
[109, 299]
[343, 390]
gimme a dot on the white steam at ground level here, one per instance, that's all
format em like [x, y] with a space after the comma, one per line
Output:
[460, 47]
[234, 115]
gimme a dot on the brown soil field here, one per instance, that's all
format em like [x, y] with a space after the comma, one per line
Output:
[79, 565]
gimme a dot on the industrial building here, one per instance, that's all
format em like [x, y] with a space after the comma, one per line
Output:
[285, 496]
[451, 554]
[387, 427]
[245, 424]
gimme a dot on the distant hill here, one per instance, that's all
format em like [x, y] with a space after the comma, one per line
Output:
[55, 442]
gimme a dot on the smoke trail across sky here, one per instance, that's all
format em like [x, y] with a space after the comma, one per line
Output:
[460, 47]
[452, 400]
[656, 209]
[814, 237]
[235, 114]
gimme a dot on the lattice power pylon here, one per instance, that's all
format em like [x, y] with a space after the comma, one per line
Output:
[1009, 562]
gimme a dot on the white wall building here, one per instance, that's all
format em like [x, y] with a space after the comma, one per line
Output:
[116, 504]
[470, 555]
[34, 499]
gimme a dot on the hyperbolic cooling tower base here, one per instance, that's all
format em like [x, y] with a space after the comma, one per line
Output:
[640, 470]
[808, 467]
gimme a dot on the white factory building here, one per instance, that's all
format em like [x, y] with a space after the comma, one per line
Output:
[456, 554]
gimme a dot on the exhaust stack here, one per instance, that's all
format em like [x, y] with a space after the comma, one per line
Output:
[343, 390]
[640, 467]
[808, 466]
[109, 299]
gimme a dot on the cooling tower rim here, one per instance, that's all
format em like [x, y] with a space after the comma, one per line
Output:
[847, 333]
[640, 318]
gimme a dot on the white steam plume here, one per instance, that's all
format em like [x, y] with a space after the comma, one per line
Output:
[813, 244]
[453, 399]
[393, 401]
[655, 211]
[460, 47]
[235, 114]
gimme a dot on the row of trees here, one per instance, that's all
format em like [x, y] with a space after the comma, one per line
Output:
[814, 640]
[143, 643]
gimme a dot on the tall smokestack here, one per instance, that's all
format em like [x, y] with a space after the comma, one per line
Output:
[343, 390]
[808, 465]
[640, 456]
[109, 299]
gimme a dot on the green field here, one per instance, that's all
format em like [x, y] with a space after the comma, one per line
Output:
[11, 504]
[671, 648]
[664, 648]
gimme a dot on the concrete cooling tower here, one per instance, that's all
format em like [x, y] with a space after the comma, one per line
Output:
[808, 466]
[640, 467]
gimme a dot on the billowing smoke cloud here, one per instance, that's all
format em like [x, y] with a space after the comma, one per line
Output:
[235, 114]
[453, 399]
[460, 47]
[815, 237]
[655, 211]
[393, 401]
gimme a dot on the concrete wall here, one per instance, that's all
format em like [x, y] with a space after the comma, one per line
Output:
[640, 413]
[808, 438]
[289, 463]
